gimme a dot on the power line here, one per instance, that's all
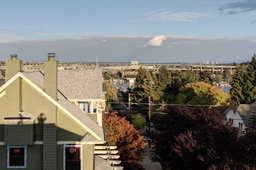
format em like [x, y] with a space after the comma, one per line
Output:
[167, 104]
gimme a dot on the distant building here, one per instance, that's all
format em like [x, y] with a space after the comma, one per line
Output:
[239, 116]
[134, 62]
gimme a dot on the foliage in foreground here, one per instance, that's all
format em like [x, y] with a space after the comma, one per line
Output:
[120, 132]
[197, 139]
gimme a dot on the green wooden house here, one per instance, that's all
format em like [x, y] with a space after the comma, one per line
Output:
[44, 124]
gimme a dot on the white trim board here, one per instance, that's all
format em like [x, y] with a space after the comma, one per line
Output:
[79, 143]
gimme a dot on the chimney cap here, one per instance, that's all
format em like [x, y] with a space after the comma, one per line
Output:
[51, 56]
[14, 56]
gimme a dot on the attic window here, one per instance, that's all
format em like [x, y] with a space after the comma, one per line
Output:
[85, 106]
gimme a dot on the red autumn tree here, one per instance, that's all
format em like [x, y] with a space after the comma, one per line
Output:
[120, 132]
[196, 138]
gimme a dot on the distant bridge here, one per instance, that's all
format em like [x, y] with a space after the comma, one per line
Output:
[172, 67]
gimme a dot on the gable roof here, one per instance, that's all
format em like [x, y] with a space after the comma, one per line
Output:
[246, 111]
[81, 84]
[36, 79]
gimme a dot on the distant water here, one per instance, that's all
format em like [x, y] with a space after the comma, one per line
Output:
[225, 89]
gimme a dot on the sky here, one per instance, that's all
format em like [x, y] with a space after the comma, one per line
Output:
[122, 30]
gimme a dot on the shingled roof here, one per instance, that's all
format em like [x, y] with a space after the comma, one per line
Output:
[246, 111]
[81, 84]
[2, 81]
[37, 78]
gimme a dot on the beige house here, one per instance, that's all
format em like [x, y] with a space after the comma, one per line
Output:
[52, 120]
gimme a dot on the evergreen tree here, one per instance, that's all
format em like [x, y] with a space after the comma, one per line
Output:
[164, 78]
[205, 76]
[227, 75]
[189, 76]
[243, 90]
[145, 89]
[237, 89]
[141, 76]
[217, 77]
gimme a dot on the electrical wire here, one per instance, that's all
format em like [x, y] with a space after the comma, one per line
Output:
[167, 104]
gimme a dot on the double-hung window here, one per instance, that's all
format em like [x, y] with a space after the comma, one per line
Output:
[85, 106]
[16, 156]
[240, 125]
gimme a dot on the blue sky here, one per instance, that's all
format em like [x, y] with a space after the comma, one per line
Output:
[47, 20]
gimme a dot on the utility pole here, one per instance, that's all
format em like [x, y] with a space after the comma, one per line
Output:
[149, 113]
[149, 117]
[129, 100]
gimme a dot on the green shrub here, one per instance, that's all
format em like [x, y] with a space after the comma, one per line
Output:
[139, 122]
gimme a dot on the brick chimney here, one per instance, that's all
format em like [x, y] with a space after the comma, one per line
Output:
[51, 76]
[12, 67]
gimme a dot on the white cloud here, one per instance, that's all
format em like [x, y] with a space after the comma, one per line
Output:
[156, 41]
[164, 15]
[103, 40]
[9, 38]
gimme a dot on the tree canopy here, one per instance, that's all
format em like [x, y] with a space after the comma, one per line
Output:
[243, 90]
[201, 93]
[120, 132]
[196, 138]
[145, 86]
[189, 76]
[111, 95]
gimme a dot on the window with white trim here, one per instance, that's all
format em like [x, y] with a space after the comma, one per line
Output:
[240, 125]
[94, 108]
[16, 156]
[85, 106]
[231, 121]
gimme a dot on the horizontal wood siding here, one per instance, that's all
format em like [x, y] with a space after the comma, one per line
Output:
[1, 133]
[18, 134]
[49, 147]
[60, 157]
[34, 157]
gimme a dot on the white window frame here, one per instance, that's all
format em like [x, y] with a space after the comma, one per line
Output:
[85, 106]
[25, 157]
[240, 125]
[64, 154]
